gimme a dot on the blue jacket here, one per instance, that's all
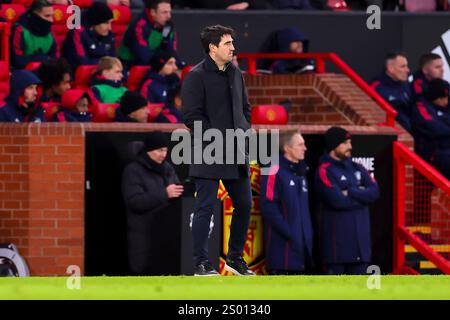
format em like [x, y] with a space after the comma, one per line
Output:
[431, 130]
[284, 205]
[398, 95]
[85, 47]
[68, 115]
[344, 221]
[11, 111]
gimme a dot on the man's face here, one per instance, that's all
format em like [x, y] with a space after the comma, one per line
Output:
[344, 150]
[103, 28]
[398, 68]
[114, 74]
[46, 13]
[441, 102]
[295, 150]
[140, 115]
[224, 52]
[296, 47]
[162, 14]
[169, 68]
[63, 86]
[434, 69]
[83, 105]
[30, 93]
[158, 155]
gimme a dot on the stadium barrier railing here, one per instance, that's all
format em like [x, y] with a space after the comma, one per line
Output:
[320, 63]
[422, 217]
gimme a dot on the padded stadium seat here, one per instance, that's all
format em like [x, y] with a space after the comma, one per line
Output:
[32, 65]
[4, 80]
[83, 3]
[83, 75]
[50, 108]
[11, 12]
[25, 3]
[185, 70]
[338, 5]
[121, 20]
[136, 76]
[59, 27]
[269, 114]
[155, 110]
[103, 112]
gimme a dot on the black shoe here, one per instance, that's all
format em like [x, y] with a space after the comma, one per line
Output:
[237, 266]
[205, 269]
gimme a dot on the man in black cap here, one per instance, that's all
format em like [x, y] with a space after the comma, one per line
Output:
[344, 189]
[94, 40]
[431, 126]
[133, 108]
[149, 184]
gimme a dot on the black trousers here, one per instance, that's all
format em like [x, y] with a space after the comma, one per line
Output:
[240, 193]
[347, 268]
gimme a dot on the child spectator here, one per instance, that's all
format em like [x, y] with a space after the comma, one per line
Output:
[106, 82]
[74, 107]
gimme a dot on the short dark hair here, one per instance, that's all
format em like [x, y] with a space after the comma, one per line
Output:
[51, 72]
[153, 4]
[427, 58]
[37, 5]
[213, 35]
[392, 56]
[286, 138]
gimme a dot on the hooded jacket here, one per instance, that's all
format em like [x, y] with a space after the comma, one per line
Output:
[31, 40]
[106, 91]
[284, 205]
[344, 220]
[12, 109]
[68, 111]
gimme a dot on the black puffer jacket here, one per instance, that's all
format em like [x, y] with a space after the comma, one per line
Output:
[144, 185]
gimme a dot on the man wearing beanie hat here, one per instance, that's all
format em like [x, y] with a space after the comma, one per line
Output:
[160, 85]
[344, 190]
[133, 108]
[149, 184]
[86, 45]
[431, 126]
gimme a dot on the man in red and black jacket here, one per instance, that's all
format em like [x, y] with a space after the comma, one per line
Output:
[344, 189]
[431, 67]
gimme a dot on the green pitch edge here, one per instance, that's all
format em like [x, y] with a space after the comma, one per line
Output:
[213, 288]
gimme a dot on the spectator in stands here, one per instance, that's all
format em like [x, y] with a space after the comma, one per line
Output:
[20, 105]
[393, 86]
[284, 205]
[431, 126]
[431, 66]
[74, 107]
[150, 31]
[106, 82]
[31, 37]
[133, 108]
[86, 45]
[161, 84]
[344, 189]
[149, 185]
[223, 4]
[55, 77]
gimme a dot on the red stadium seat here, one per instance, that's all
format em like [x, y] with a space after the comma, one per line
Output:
[83, 3]
[32, 65]
[155, 109]
[83, 75]
[4, 80]
[136, 76]
[338, 5]
[50, 108]
[121, 20]
[11, 12]
[185, 70]
[25, 3]
[104, 112]
[269, 114]
[59, 27]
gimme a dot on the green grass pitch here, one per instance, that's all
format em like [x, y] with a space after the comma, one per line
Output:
[223, 288]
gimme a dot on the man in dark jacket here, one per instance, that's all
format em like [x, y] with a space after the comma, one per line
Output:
[55, 77]
[20, 105]
[133, 108]
[344, 189]
[393, 86]
[31, 37]
[431, 126]
[431, 66]
[93, 40]
[149, 184]
[214, 96]
[284, 205]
